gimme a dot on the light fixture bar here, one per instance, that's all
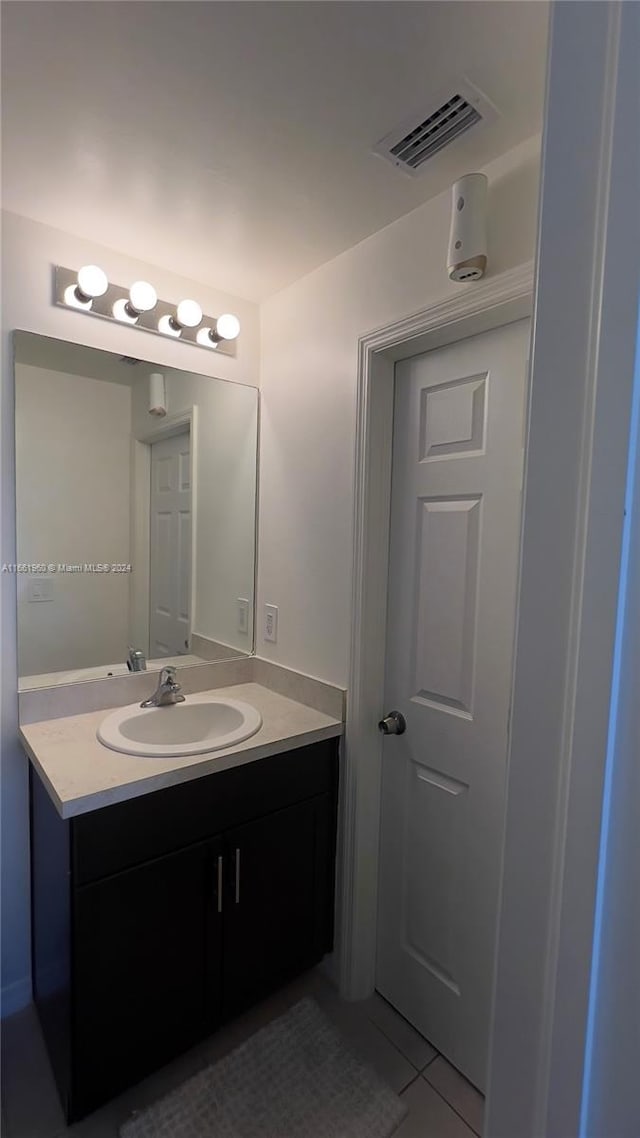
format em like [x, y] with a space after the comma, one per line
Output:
[163, 313]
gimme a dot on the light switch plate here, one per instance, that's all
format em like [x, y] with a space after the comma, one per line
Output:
[271, 623]
[40, 589]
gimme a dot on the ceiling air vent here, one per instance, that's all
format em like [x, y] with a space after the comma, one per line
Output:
[418, 139]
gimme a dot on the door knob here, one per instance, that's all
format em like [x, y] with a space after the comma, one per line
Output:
[393, 724]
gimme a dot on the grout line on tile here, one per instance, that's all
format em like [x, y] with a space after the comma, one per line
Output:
[410, 1084]
[393, 1043]
[378, 1030]
[452, 1107]
[433, 1058]
[409, 1025]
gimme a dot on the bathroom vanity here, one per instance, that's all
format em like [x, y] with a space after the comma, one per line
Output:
[187, 897]
[182, 856]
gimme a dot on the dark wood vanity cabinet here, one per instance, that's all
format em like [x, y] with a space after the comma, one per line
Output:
[156, 919]
[146, 973]
[274, 922]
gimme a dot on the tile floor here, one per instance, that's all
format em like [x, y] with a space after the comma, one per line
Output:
[442, 1104]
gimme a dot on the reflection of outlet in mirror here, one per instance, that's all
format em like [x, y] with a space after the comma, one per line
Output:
[271, 623]
[243, 615]
[40, 589]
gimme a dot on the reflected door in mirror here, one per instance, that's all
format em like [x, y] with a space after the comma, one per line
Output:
[170, 546]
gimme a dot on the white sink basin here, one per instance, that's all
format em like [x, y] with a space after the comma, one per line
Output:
[202, 723]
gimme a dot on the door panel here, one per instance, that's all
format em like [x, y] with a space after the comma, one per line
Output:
[170, 547]
[455, 525]
[447, 580]
[435, 812]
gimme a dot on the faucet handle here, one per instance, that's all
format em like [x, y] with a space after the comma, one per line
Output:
[168, 675]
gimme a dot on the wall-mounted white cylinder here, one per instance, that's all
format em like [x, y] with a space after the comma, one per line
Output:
[157, 395]
[467, 255]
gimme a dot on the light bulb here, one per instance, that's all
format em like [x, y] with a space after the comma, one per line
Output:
[121, 312]
[92, 282]
[167, 327]
[73, 299]
[228, 326]
[188, 314]
[207, 337]
[142, 296]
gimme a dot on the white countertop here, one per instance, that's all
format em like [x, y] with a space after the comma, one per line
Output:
[81, 774]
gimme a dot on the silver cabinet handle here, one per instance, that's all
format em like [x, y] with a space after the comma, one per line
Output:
[393, 724]
[237, 876]
[220, 866]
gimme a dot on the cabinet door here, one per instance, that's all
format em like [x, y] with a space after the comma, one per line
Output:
[277, 896]
[146, 969]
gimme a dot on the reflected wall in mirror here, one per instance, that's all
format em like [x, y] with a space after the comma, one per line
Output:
[135, 531]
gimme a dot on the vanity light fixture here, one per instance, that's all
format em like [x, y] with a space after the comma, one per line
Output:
[122, 313]
[142, 298]
[91, 282]
[168, 326]
[228, 326]
[207, 338]
[227, 329]
[139, 306]
[188, 314]
[73, 299]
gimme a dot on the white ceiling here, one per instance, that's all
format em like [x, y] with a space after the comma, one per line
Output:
[231, 142]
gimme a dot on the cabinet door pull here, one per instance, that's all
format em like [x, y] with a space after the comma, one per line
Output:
[220, 864]
[237, 876]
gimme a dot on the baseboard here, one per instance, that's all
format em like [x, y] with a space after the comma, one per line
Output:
[14, 997]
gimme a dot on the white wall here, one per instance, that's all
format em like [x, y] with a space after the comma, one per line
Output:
[72, 507]
[225, 496]
[29, 250]
[309, 362]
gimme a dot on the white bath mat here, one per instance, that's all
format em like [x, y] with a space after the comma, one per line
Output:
[295, 1078]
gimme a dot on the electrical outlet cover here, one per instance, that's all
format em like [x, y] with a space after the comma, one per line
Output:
[271, 623]
[243, 615]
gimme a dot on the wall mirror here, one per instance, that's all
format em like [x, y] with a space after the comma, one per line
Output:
[135, 528]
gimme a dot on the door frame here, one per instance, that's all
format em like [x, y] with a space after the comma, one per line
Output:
[478, 308]
[561, 1000]
[184, 422]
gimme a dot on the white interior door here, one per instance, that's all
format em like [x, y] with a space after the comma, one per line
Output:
[455, 529]
[170, 547]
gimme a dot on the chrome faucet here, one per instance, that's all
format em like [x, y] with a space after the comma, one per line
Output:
[136, 661]
[167, 691]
